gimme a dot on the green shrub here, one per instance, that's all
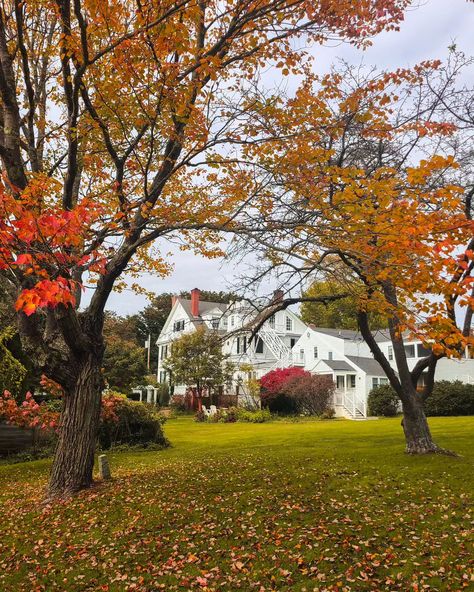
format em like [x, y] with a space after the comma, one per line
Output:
[234, 414]
[200, 416]
[178, 404]
[135, 424]
[260, 416]
[231, 415]
[328, 413]
[163, 395]
[450, 398]
[223, 416]
[383, 401]
[12, 372]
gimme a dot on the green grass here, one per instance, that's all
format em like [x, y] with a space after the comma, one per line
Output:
[324, 506]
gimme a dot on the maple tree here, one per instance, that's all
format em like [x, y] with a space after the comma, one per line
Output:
[31, 414]
[368, 193]
[114, 120]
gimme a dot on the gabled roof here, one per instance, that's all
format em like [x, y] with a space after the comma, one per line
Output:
[338, 365]
[204, 307]
[368, 365]
[349, 334]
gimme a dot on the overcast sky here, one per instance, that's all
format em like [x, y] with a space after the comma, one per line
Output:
[426, 33]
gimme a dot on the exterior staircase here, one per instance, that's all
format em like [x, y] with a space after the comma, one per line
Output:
[357, 414]
[275, 344]
[354, 406]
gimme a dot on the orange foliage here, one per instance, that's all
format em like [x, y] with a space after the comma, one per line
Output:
[102, 169]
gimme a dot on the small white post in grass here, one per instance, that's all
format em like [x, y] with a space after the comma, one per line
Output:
[104, 468]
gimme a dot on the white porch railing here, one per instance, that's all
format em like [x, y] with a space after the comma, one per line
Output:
[354, 404]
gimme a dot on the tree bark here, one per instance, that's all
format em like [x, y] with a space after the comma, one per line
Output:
[418, 437]
[74, 457]
[415, 425]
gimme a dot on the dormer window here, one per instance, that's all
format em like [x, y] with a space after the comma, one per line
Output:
[178, 326]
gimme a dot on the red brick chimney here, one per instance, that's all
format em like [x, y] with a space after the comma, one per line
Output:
[195, 302]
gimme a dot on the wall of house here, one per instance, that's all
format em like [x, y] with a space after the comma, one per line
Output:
[447, 369]
[238, 316]
[325, 344]
[455, 370]
[356, 348]
[168, 334]
[177, 314]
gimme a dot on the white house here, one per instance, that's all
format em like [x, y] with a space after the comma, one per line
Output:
[447, 368]
[185, 317]
[252, 357]
[345, 356]
[284, 340]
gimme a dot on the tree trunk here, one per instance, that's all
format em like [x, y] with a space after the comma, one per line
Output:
[415, 425]
[74, 457]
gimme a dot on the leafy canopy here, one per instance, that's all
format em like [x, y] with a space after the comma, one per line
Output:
[196, 359]
[338, 314]
[105, 106]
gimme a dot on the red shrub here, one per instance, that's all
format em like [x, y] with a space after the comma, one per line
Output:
[312, 393]
[273, 387]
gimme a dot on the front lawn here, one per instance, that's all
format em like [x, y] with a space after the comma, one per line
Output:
[332, 505]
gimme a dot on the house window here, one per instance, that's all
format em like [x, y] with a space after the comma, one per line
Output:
[340, 382]
[215, 323]
[410, 350]
[301, 354]
[289, 324]
[164, 352]
[330, 356]
[259, 346]
[390, 352]
[422, 351]
[178, 326]
[271, 321]
[375, 382]
[232, 321]
[162, 376]
[383, 380]
[352, 380]
[238, 345]
[292, 342]
[244, 344]
[315, 352]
